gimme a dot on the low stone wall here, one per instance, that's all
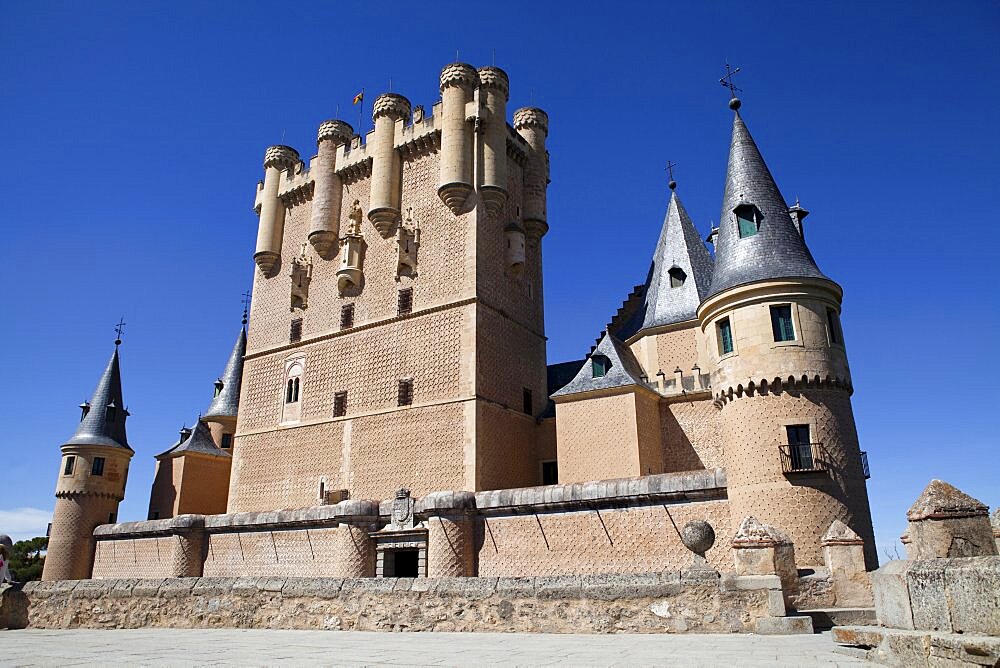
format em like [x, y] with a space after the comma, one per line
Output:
[650, 603]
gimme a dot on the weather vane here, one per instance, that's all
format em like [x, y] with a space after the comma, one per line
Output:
[246, 305]
[727, 81]
[670, 171]
[119, 328]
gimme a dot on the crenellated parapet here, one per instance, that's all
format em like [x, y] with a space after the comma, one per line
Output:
[281, 157]
[778, 385]
[390, 105]
[533, 118]
[337, 131]
[459, 75]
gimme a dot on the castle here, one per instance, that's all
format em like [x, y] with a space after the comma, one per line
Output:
[389, 410]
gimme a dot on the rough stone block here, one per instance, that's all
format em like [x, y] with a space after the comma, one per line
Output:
[973, 593]
[928, 599]
[273, 585]
[515, 587]
[212, 586]
[123, 588]
[147, 586]
[177, 587]
[614, 586]
[776, 603]
[559, 586]
[857, 636]
[423, 585]
[783, 626]
[245, 586]
[892, 596]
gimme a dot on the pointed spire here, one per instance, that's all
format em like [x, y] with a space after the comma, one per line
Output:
[199, 440]
[103, 421]
[618, 368]
[680, 274]
[227, 397]
[777, 249]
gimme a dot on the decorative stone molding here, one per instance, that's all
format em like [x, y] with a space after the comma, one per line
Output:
[495, 78]
[946, 522]
[531, 117]
[337, 131]
[840, 534]
[939, 501]
[280, 156]
[407, 245]
[459, 74]
[779, 385]
[349, 275]
[391, 105]
[300, 275]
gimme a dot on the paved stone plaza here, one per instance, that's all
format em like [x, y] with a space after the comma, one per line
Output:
[184, 647]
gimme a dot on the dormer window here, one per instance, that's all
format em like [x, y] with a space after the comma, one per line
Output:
[84, 409]
[748, 220]
[218, 387]
[111, 412]
[677, 277]
[599, 365]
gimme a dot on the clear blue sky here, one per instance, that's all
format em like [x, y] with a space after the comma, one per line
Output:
[134, 133]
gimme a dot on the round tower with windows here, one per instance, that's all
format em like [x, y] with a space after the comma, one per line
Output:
[91, 482]
[771, 326]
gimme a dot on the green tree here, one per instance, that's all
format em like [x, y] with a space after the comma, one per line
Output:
[27, 559]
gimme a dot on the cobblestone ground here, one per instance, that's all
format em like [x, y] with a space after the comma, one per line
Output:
[188, 647]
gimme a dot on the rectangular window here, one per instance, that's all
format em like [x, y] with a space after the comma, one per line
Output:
[800, 446]
[404, 302]
[70, 463]
[347, 316]
[405, 393]
[725, 336]
[339, 404]
[98, 467]
[527, 405]
[550, 473]
[781, 323]
[833, 324]
[227, 441]
[295, 331]
[747, 219]
[599, 366]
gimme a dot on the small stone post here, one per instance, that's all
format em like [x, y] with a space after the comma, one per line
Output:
[844, 555]
[946, 522]
[761, 549]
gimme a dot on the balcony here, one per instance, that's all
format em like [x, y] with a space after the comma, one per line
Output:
[864, 465]
[802, 458]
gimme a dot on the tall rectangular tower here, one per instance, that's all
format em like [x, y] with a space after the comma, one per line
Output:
[396, 336]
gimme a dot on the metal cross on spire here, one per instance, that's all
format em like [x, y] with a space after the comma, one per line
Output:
[670, 172]
[246, 305]
[727, 82]
[119, 329]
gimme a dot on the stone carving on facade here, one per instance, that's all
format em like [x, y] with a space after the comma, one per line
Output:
[402, 511]
[407, 242]
[418, 114]
[301, 275]
[349, 274]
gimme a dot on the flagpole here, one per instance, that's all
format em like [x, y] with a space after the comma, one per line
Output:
[361, 115]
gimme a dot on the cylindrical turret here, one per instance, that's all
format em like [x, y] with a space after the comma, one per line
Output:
[458, 80]
[324, 227]
[494, 90]
[782, 383]
[272, 212]
[533, 125]
[386, 180]
[90, 486]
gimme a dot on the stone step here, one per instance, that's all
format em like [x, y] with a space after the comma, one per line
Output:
[827, 618]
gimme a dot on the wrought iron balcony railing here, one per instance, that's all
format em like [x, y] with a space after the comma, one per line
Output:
[802, 457]
[864, 465]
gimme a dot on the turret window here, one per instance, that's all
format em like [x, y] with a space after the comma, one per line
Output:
[833, 326]
[218, 387]
[677, 277]
[748, 219]
[110, 413]
[781, 323]
[724, 333]
[70, 464]
[339, 404]
[98, 466]
[227, 441]
[599, 365]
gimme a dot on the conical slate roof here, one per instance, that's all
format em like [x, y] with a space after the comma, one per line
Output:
[104, 422]
[199, 441]
[777, 250]
[227, 402]
[679, 247]
[623, 370]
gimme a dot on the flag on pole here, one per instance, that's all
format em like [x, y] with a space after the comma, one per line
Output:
[359, 97]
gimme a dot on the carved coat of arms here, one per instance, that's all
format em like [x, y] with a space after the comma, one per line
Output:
[402, 510]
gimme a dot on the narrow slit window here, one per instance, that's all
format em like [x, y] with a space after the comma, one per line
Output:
[833, 324]
[227, 441]
[527, 405]
[781, 323]
[677, 277]
[747, 219]
[725, 336]
[288, 391]
[295, 331]
[404, 396]
[550, 473]
[98, 466]
[347, 316]
[295, 390]
[339, 404]
[404, 303]
[70, 464]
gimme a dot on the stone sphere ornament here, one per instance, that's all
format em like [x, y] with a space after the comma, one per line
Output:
[698, 536]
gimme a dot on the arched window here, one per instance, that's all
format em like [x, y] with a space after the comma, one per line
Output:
[295, 390]
[677, 277]
[288, 391]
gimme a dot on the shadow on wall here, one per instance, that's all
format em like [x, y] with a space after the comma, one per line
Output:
[678, 453]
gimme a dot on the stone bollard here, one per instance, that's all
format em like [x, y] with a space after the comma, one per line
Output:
[946, 522]
[354, 549]
[450, 533]
[844, 555]
[761, 549]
